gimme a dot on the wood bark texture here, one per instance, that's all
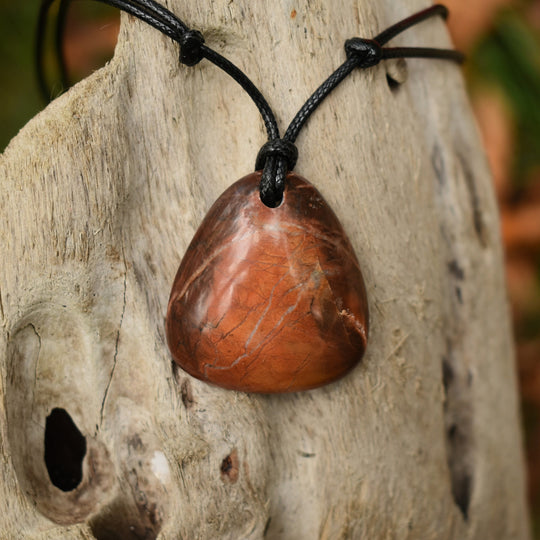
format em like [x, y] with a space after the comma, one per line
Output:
[101, 194]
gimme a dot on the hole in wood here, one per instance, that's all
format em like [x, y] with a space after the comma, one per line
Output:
[459, 435]
[230, 467]
[392, 83]
[187, 394]
[396, 73]
[121, 521]
[65, 448]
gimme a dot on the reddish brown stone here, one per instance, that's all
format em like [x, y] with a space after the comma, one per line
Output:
[268, 299]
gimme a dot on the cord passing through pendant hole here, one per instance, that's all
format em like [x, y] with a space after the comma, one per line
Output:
[275, 159]
[274, 202]
[65, 448]
[272, 186]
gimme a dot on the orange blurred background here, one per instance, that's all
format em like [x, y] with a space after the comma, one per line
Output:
[502, 41]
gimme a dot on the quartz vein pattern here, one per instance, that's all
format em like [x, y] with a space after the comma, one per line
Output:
[268, 299]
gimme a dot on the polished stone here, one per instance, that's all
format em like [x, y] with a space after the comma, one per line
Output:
[268, 299]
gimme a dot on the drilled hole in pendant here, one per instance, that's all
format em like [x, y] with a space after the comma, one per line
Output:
[65, 448]
[274, 203]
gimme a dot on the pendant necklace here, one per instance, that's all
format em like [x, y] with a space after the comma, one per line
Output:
[269, 296]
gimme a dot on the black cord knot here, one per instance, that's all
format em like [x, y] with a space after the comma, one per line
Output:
[278, 148]
[191, 47]
[276, 158]
[366, 52]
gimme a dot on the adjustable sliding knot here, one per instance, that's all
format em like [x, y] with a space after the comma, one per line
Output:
[366, 52]
[279, 148]
[276, 158]
[191, 47]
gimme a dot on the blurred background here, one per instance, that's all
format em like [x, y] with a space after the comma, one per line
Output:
[502, 41]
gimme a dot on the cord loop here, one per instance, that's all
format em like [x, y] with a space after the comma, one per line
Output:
[279, 148]
[366, 52]
[276, 158]
[191, 43]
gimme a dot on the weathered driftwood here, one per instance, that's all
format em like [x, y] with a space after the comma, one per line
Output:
[101, 194]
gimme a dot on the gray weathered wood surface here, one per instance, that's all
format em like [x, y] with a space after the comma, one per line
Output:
[100, 195]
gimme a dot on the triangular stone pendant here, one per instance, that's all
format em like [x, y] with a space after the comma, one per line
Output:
[268, 299]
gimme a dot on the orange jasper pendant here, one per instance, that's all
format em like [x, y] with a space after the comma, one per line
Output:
[268, 299]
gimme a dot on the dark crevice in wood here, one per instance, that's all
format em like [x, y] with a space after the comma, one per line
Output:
[122, 521]
[392, 83]
[187, 394]
[476, 207]
[267, 527]
[458, 426]
[396, 73]
[456, 376]
[230, 467]
[65, 448]
[117, 343]
[438, 165]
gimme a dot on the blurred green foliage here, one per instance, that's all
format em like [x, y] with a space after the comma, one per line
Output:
[19, 94]
[509, 56]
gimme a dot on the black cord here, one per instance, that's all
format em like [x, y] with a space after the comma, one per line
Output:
[278, 156]
[192, 49]
[361, 53]
[254, 93]
[392, 31]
